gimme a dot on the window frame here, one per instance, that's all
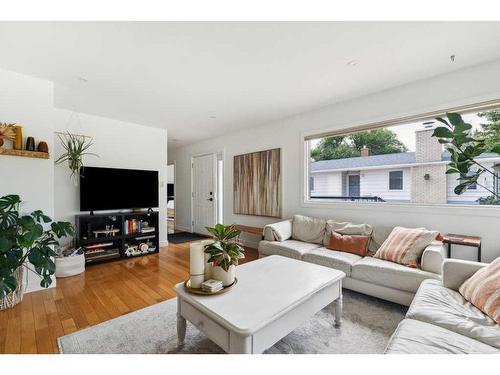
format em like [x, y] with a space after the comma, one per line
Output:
[402, 180]
[307, 135]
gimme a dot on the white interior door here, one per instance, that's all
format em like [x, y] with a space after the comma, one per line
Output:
[204, 192]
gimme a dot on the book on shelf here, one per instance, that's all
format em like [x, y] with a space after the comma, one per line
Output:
[99, 245]
[136, 226]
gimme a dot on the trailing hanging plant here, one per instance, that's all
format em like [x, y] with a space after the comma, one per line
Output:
[27, 240]
[225, 251]
[464, 148]
[75, 147]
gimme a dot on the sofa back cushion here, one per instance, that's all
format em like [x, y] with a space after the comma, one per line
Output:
[483, 290]
[346, 228]
[406, 245]
[308, 229]
[354, 244]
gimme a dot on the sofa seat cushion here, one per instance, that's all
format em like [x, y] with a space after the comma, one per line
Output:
[416, 337]
[393, 275]
[330, 258]
[290, 248]
[446, 308]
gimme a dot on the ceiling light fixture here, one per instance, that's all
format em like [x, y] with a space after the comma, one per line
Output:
[352, 63]
[82, 79]
[212, 117]
[452, 58]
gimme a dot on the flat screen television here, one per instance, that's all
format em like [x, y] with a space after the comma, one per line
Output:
[112, 189]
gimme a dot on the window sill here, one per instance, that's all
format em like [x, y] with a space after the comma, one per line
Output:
[433, 209]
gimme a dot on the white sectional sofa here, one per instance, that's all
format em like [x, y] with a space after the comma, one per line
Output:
[441, 321]
[368, 275]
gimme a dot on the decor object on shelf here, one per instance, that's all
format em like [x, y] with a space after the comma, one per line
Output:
[7, 132]
[75, 147]
[257, 183]
[43, 147]
[18, 140]
[25, 240]
[30, 144]
[225, 252]
[464, 147]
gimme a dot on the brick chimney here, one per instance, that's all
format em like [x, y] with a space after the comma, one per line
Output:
[365, 151]
[428, 149]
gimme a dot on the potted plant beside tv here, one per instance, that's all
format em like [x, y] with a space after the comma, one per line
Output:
[225, 252]
[26, 242]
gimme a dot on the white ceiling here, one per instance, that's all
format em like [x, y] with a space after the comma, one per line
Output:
[203, 79]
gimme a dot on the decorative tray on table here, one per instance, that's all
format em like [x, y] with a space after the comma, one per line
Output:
[187, 286]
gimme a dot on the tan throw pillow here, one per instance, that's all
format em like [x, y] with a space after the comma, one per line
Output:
[406, 245]
[353, 244]
[308, 229]
[483, 290]
[346, 228]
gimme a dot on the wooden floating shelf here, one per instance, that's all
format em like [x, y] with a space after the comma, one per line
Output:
[24, 153]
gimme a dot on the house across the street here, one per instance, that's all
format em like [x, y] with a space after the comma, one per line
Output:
[412, 177]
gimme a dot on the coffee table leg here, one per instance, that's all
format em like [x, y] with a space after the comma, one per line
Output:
[337, 306]
[181, 324]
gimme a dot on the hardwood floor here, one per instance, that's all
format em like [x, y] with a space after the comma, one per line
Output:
[102, 292]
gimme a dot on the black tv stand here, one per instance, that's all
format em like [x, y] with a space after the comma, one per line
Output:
[117, 235]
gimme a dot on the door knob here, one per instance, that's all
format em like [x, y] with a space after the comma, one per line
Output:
[210, 199]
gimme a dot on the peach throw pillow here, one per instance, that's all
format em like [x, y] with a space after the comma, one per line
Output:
[354, 244]
[483, 290]
[406, 245]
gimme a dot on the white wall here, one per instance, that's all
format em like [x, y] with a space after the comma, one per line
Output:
[327, 184]
[28, 101]
[41, 185]
[375, 182]
[471, 195]
[463, 87]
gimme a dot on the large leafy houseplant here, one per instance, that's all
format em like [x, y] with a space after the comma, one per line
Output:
[225, 251]
[27, 241]
[464, 148]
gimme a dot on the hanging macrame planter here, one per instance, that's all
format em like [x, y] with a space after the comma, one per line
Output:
[75, 147]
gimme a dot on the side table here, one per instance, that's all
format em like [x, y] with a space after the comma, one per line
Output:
[460, 239]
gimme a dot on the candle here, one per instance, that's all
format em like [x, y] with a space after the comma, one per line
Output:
[196, 264]
[208, 266]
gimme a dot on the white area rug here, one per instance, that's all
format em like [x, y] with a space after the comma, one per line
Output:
[367, 326]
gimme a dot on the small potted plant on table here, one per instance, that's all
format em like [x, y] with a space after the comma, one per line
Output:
[225, 253]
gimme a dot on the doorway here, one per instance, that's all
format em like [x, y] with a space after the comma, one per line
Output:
[354, 185]
[171, 198]
[204, 196]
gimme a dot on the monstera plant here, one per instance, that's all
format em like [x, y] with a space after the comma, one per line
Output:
[26, 242]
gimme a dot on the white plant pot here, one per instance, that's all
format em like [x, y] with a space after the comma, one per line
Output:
[70, 266]
[227, 278]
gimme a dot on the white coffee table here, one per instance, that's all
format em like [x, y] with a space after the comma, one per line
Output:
[273, 296]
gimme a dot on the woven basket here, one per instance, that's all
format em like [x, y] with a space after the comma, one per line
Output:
[13, 298]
